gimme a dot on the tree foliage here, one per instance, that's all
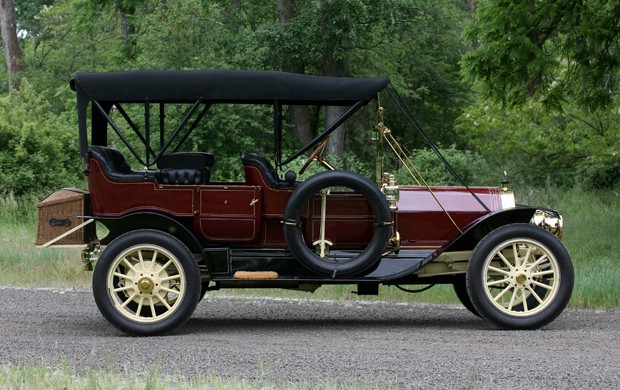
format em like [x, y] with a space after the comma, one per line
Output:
[562, 53]
[556, 51]
[541, 147]
[36, 152]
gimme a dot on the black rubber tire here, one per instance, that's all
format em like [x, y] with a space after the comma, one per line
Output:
[188, 271]
[460, 289]
[203, 290]
[553, 304]
[295, 239]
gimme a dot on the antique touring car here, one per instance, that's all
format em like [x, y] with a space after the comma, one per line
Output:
[173, 233]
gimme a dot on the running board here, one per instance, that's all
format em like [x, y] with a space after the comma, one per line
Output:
[261, 266]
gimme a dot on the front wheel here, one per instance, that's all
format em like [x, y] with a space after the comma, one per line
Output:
[146, 282]
[520, 277]
[460, 289]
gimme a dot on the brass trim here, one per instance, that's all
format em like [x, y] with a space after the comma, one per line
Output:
[551, 222]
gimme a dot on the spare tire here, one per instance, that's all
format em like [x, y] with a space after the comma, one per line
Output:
[369, 256]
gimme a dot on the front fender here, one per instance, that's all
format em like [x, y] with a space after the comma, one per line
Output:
[486, 224]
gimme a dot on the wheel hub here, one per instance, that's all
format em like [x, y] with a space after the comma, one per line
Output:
[145, 285]
[521, 278]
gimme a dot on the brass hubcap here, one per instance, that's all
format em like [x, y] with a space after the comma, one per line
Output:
[521, 278]
[145, 285]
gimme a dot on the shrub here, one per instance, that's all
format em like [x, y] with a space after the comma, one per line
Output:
[471, 167]
[38, 147]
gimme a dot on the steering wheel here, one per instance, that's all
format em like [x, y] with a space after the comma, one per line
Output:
[315, 154]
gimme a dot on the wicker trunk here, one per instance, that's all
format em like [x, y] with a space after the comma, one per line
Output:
[61, 212]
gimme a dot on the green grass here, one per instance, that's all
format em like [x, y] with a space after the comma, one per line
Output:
[591, 220]
[21, 263]
[592, 229]
[44, 378]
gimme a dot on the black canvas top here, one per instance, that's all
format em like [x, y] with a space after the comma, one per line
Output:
[211, 86]
[230, 86]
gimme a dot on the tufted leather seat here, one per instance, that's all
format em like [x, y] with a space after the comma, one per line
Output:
[195, 160]
[185, 168]
[184, 176]
[116, 167]
[269, 173]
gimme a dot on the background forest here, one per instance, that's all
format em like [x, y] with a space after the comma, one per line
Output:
[526, 87]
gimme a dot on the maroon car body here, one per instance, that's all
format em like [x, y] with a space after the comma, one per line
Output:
[173, 234]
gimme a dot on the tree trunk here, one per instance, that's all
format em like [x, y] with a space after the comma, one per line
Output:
[335, 146]
[298, 115]
[471, 5]
[12, 51]
[128, 30]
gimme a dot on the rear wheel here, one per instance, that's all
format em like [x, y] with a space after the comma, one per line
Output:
[146, 282]
[520, 277]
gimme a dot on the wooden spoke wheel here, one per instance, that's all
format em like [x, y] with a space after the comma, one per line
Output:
[520, 277]
[146, 282]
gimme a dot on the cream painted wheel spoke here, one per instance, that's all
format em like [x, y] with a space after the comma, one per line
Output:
[515, 252]
[499, 271]
[169, 290]
[527, 255]
[543, 273]
[121, 276]
[530, 282]
[500, 295]
[163, 267]
[168, 278]
[165, 303]
[545, 286]
[534, 294]
[524, 302]
[121, 289]
[505, 260]
[126, 302]
[498, 282]
[512, 299]
[140, 281]
[128, 264]
[141, 259]
[139, 309]
[153, 311]
[537, 263]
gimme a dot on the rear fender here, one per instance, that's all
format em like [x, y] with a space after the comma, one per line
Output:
[151, 220]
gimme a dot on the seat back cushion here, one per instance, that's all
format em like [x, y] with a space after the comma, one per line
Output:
[270, 174]
[112, 160]
[186, 160]
[184, 176]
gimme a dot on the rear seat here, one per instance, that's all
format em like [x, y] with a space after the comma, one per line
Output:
[116, 167]
[185, 168]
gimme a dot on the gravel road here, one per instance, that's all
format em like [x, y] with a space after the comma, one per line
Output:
[370, 344]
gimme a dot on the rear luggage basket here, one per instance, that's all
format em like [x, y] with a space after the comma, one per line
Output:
[60, 219]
